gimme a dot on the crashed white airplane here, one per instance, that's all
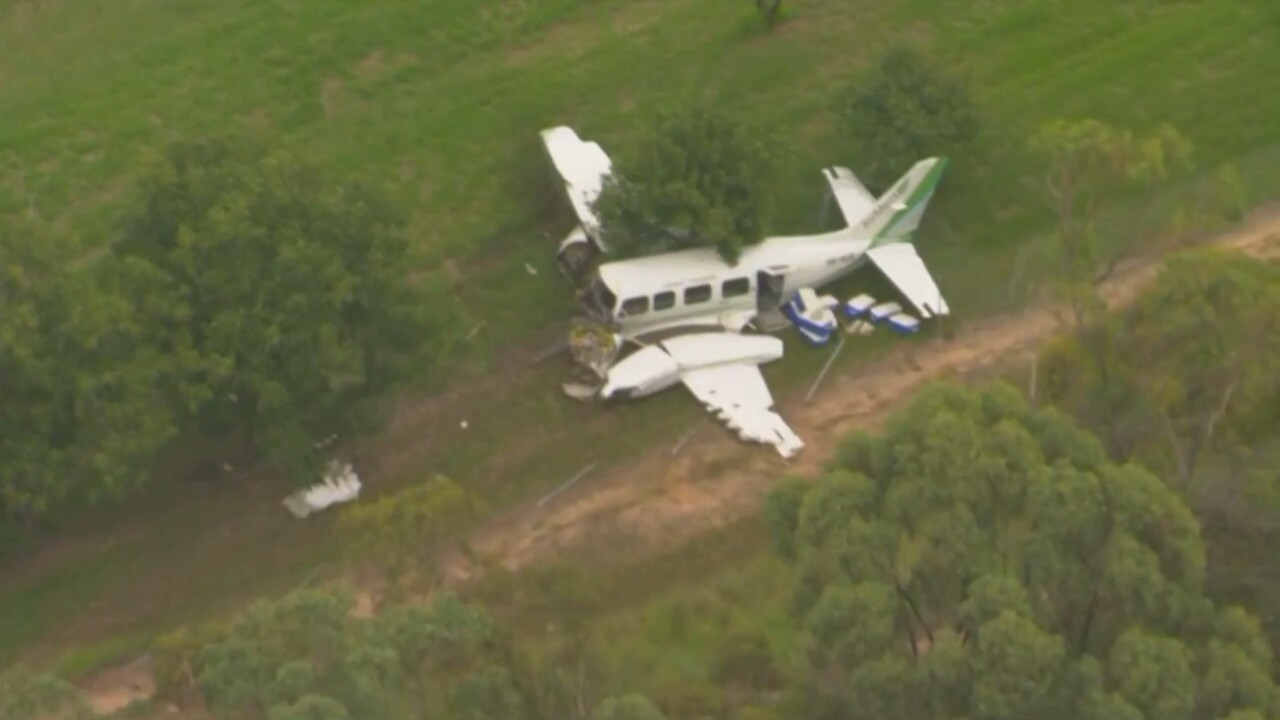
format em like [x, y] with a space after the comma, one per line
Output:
[687, 309]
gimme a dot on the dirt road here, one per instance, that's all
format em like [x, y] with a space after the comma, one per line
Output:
[660, 501]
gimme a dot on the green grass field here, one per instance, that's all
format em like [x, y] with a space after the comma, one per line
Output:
[445, 100]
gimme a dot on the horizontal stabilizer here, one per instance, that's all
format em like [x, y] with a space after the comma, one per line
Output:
[902, 265]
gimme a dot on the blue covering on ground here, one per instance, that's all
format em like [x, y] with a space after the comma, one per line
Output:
[816, 333]
[904, 324]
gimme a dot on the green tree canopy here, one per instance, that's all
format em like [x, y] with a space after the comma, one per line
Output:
[407, 528]
[1192, 365]
[627, 707]
[80, 414]
[1085, 165]
[281, 295]
[26, 695]
[902, 109]
[699, 178]
[304, 656]
[983, 559]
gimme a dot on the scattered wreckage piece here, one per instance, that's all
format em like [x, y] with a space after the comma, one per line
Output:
[340, 485]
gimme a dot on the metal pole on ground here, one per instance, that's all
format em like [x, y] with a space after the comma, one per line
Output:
[685, 438]
[818, 380]
[569, 483]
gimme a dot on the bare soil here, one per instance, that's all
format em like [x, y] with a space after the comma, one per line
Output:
[659, 500]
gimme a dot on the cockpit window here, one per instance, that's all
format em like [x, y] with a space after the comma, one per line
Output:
[635, 306]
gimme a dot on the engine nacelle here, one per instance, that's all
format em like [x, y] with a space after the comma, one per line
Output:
[642, 373]
[576, 253]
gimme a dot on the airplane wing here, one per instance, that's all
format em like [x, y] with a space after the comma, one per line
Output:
[851, 195]
[583, 166]
[722, 371]
[902, 265]
[738, 396]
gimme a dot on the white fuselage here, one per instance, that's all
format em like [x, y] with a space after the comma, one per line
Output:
[697, 288]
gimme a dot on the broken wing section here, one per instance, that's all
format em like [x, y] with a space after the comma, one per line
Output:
[583, 166]
[852, 197]
[902, 265]
[739, 397]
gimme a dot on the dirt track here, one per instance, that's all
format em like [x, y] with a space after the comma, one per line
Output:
[660, 501]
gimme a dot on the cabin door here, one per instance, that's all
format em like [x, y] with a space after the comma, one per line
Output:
[768, 290]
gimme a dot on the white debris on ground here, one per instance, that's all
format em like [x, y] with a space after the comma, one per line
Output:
[340, 485]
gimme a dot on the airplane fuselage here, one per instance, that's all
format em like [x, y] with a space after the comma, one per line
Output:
[697, 288]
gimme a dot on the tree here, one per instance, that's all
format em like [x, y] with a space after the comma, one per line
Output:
[1086, 164]
[282, 296]
[700, 178]
[305, 657]
[25, 695]
[1191, 365]
[409, 527]
[78, 405]
[902, 109]
[984, 559]
[627, 707]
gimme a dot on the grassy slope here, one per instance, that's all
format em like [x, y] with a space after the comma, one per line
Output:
[445, 99]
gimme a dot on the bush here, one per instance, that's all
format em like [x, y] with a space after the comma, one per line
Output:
[905, 108]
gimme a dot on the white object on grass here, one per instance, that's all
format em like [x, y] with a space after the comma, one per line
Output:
[340, 485]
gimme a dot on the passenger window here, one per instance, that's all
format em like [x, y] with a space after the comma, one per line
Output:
[735, 287]
[664, 300]
[697, 294]
[635, 306]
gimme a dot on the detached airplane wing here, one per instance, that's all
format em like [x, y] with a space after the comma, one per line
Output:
[722, 371]
[853, 198]
[583, 166]
[902, 265]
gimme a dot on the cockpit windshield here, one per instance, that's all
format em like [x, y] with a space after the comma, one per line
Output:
[598, 300]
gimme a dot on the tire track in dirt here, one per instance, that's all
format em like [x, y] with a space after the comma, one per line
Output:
[659, 501]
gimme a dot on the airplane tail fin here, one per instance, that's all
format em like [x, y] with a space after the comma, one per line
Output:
[896, 214]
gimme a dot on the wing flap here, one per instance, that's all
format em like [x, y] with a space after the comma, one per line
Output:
[902, 265]
[853, 198]
[738, 396]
